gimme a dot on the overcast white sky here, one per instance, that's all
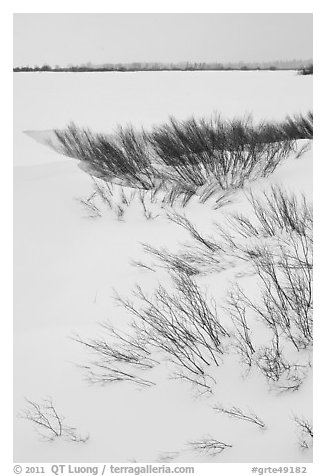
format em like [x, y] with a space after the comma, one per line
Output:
[77, 38]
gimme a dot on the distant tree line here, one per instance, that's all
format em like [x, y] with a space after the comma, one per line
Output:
[181, 66]
[307, 70]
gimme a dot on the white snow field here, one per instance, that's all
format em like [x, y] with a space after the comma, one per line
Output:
[67, 266]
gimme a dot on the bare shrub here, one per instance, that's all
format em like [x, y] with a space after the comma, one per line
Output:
[177, 262]
[124, 156]
[236, 412]
[241, 335]
[113, 197]
[181, 326]
[298, 126]
[281, 224]
[148, 214]
[209, 446]
[118, 357]
[286, 294]
[118, 199]
[284, 375]
[48, 423]
[201, 258]
[183, 221]
[281, 373]
[306, 432]
[227, 153]
[187, 158]
[141, 264]
[92, 210]
[278, 245]
[276, 212]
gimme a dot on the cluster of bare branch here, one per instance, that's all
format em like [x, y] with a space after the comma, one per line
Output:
[180, 326]
[218, 151]
[285, 278]
[235, 412]
[278, 370]
[183, 327]
[275, 212]
[209, 446]
[269, 359]
[124, 156]
[118, 357]
[185, 223]
[285, 308]
[180, 263]
[201, 258]
[276, 243]
[48, 423]
[306, 432]
[241, 335]
[118, 199]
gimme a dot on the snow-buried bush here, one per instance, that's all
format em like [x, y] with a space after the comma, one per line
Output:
[186, 158]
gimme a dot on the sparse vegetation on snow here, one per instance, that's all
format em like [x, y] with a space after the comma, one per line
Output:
[204, 229]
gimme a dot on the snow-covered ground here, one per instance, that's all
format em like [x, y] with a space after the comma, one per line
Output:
[66, 267]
